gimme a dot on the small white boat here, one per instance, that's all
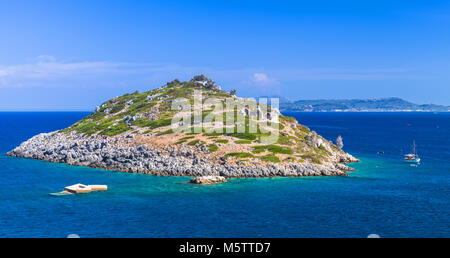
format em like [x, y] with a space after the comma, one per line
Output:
[412, 157]
[80, 188]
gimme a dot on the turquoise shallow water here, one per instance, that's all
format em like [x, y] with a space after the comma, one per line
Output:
[384, 196]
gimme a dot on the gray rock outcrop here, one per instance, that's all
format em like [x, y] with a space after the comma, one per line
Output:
[206, 180]
[119, 153]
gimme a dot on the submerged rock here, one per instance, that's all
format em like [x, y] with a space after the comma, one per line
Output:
[205, 180]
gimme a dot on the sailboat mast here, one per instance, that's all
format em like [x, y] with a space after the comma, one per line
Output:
[414, 147]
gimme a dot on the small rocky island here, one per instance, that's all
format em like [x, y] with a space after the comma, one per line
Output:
[134, 133]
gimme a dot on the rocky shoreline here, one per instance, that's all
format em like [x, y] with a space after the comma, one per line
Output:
[121, 153]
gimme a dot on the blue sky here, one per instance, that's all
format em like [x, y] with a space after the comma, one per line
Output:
[73, 55]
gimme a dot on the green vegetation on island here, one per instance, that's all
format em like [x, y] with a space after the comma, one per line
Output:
[151, 114]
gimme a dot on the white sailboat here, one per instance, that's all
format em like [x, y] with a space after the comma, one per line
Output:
[412, 157]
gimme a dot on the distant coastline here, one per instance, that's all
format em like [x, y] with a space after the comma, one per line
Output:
[365, 111]
[358, 105]
[379, 105]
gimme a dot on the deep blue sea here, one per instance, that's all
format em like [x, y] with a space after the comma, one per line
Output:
[385, 196]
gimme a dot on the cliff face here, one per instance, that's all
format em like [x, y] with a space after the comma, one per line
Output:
[133, 133]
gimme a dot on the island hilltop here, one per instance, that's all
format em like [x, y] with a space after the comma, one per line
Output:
[135, 133]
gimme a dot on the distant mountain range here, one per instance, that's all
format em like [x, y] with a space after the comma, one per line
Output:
[356, 105]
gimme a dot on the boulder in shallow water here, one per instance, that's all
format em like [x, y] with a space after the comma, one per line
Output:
[204, 180]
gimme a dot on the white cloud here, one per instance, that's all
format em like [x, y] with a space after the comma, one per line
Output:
[265, 83]
[48, 71]
[3, 73]
[46, 58]
[262, 78]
